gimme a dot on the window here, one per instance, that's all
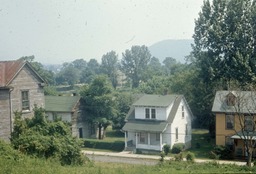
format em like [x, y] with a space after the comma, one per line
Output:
[25, 100]
[229, 121]
[150, 113]
[153, 113]
[143, 138]
[248, 123]
[154, 138]
[80, 132]
[176, 134]
[183, 113]
[147, 113]
[231, 99]
[229, 142]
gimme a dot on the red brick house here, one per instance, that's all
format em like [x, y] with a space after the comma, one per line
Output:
[21, 87]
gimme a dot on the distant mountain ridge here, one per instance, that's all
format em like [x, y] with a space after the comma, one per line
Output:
[177, 49]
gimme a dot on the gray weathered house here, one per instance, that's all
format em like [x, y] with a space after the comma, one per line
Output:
[68, 109]
[21, 87]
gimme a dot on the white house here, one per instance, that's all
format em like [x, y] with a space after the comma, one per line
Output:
[156, 120]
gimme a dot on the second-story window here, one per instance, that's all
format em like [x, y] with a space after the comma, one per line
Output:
[150, 113]
[230, 121]
[249, 123]
[153, 113]
[147, 113]
[25, 100]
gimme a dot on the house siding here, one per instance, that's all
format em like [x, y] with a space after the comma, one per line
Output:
[10, 101]
[181, 123]
[222, 133]
[161, 113]
[26, 80]
[5, 121]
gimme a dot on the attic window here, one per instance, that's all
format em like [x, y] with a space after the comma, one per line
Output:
[231, 99]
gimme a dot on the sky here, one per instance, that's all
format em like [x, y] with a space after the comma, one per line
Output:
[58, 31]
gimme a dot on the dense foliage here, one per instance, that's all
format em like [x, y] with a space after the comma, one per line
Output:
[41, 138]
[98, 101]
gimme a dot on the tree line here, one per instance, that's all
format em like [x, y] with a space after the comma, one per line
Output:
[223, 57]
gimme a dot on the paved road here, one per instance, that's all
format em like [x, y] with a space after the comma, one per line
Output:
[118, 159]
[126, 157]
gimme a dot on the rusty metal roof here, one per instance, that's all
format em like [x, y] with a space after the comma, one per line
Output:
[9, 70]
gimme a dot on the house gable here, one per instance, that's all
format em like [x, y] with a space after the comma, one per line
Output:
[154, 107]
[20, 89]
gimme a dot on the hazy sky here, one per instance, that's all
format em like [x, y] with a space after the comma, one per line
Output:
[58, 31]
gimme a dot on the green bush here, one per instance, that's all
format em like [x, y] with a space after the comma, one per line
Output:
[190, 156]
[40, 138]
[166, 149]
[177, 148]
[7, 152]
[162, 155]
[178, 157]
[213, 155]
[224, 152]
[101, 144]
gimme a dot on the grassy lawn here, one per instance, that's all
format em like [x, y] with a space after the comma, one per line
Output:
[113, 142]
[202, 143]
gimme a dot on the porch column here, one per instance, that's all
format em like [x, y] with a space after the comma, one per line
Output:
[125, 139]
[161, 141]
[136, 139]
[148, 138]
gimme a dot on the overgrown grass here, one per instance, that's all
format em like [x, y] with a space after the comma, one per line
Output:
[202, 143]
[35, 165]
[113, 142]
[23, 164]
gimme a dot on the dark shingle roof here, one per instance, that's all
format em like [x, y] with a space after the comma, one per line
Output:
[61, 103]
[145, 125]
[155, 100]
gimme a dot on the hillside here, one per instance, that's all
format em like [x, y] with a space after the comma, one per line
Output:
[177, 49]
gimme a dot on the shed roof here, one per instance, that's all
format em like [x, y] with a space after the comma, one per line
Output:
[61, 103]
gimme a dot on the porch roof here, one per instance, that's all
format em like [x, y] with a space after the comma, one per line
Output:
[245, 135]
[145, 126]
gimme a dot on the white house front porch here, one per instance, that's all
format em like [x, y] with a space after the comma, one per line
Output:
[144, 140]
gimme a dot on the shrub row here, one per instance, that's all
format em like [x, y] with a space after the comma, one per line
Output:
[101, 144]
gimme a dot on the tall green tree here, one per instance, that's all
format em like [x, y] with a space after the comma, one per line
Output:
[99, 103]
[134, 64]
[171, 66]
[224, 42]
[109, 66]
[68, 75]
[90, 72]
[47, 75]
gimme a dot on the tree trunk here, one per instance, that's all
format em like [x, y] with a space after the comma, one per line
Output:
[249, 158]
[100, 126]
